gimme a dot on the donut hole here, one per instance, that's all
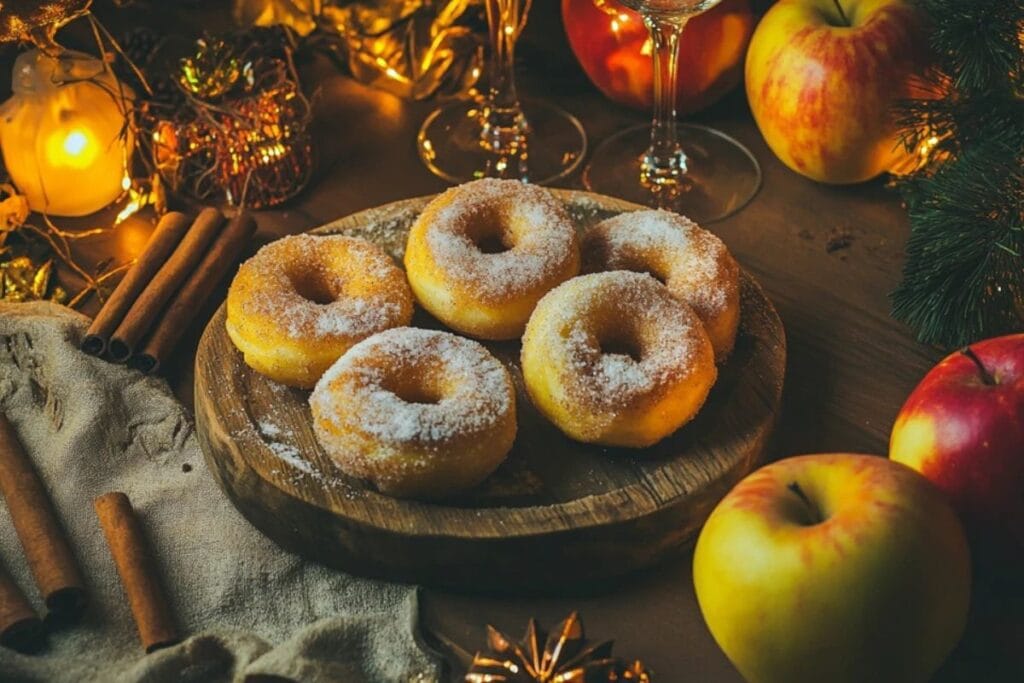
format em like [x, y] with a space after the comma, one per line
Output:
[621, 344]
[488, 232]
[411, 391]
[312, 288]
[663, 279]
[492, 244]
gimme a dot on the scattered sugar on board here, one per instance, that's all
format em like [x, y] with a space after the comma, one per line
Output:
[290, 454]
[268, 428]
[389, 231]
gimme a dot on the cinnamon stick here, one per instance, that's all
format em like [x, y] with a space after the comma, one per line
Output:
[165, 237]
[20, 628]
[137, 570]
[46, 547]
[144, 311]
[219, 260]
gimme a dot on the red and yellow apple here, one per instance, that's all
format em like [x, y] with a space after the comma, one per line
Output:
[822, 77]
[613, 47]
[963, 428]
[835, 568]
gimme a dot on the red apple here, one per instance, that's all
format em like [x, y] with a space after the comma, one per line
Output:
[613, 47]
[822, 77]
[963, 428]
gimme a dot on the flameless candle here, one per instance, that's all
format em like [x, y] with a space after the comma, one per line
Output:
[63, 133]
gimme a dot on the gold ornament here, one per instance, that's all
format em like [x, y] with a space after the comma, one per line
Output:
[38, 20]
[411, 48]
[265, 156]
[212, 71]
[564, 656]
[243, 129]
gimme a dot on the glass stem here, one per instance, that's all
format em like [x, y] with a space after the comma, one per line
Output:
[664, 163]
[504, 126]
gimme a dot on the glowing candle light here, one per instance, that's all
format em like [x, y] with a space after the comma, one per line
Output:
[63, 133]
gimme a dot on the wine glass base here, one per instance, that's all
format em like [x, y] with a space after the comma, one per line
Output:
[721, 177]
[450, 145]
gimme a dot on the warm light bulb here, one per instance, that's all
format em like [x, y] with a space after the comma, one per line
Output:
[75, 142]
[74, 148]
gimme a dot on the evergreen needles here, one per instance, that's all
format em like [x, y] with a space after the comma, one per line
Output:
[964, 274]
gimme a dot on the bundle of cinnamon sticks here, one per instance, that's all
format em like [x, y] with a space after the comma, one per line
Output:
[53, 564]
[154, 303]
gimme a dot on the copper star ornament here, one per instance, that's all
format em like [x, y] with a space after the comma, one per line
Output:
[563, 656]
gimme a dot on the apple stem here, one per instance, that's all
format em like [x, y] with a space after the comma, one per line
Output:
[986, 376]
[842, 14]
[815, 514]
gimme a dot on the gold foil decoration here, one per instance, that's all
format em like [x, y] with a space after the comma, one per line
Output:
[563, 656]
[23, 280]
[37, 21]
[27, 264]
[411, 48]
[299, 15]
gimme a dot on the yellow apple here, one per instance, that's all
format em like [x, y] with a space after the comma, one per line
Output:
[822, 77]
[834, 568]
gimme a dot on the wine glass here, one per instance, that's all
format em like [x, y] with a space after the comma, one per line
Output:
[690, 169]
[495, 136]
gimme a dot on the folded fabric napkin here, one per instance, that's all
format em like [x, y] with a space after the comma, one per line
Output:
[261, 614]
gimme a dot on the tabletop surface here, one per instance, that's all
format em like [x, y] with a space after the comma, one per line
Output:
[827, 256]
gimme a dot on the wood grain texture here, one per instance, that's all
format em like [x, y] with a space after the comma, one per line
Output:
[555, 511]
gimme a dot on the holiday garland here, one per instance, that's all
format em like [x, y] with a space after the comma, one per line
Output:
[964, 274]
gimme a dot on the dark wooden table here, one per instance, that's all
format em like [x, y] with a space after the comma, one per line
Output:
[827, 256]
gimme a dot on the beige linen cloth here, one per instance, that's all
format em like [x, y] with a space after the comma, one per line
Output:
[259, 613]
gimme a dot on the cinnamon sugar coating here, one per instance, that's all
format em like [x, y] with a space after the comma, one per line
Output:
[420, 413]
[482, 254]
[613, 358]
[693, 263]
[297, 305]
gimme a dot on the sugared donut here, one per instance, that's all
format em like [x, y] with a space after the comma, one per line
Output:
[482, 254]
[614, 359]
[302, 301]
[419, 413]
[693, 263]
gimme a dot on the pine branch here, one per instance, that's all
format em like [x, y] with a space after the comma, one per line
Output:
[977, 42]
[963, 278]
[964, 272]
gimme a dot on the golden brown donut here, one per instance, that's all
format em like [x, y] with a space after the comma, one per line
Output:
[693, 263]
[614, 359]
[482, 254]
[419, 413]
[302, 301]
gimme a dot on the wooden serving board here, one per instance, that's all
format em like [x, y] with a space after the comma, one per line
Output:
[556, 512]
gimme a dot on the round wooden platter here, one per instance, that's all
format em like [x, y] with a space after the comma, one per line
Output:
[555, 513]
